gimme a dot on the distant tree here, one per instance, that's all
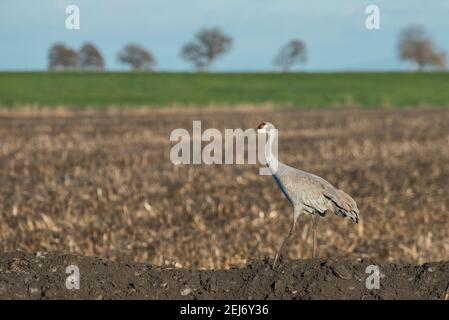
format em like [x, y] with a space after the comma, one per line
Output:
[90, 58]
[207, 46]
[439, 60]
[292, 53]
[62, 58]
[415, 45]
[137, 57]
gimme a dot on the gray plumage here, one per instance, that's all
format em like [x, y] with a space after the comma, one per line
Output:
[312, 194]
[308, 193]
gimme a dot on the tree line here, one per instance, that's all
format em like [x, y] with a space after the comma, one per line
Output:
[210, 44]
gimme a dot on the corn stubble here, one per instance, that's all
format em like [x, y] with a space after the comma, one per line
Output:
[100, 183]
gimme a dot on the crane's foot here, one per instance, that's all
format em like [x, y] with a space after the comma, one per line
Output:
[277, 259]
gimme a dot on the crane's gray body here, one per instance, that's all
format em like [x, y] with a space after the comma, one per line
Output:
[307, 192]
[312, 194]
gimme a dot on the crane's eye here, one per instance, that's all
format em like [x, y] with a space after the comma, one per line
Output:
[261, 125]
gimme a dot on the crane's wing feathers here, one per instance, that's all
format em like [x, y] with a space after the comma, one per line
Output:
[312, 197]
[343, 204]
[316, 194]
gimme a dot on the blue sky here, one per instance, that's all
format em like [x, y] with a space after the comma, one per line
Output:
[334, 31]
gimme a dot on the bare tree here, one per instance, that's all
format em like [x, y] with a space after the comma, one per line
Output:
[62, 58]
[415, 45]
[207, 46]
[90, 58]
[292, 53]
[137, 57]
[439, 60]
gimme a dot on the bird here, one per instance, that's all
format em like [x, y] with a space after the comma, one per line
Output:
[306, 192]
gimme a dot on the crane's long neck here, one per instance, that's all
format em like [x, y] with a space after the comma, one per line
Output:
[271, 159]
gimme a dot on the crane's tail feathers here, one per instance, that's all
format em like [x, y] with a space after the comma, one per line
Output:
[344, 205]
[354, 215]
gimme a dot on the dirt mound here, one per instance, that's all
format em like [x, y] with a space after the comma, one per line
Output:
[43, 276]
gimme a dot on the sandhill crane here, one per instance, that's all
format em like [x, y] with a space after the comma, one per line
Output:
[308, 193]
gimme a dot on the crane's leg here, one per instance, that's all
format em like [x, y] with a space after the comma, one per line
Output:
[287, 238]
[313, 235]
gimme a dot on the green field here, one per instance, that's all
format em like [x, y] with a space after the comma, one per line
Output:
[80, 89]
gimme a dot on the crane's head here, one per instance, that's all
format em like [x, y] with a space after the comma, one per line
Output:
[265, 127]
